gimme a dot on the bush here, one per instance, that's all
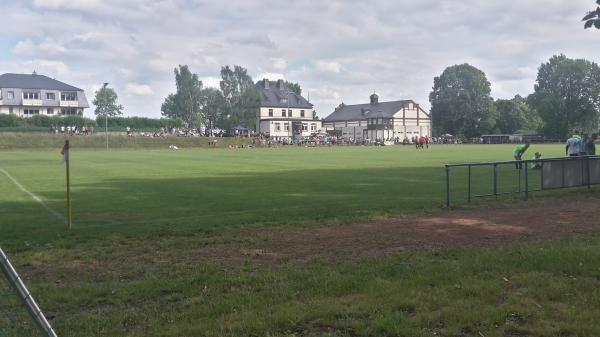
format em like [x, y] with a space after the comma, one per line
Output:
[139, 123]
[11, 121]
[41, 121]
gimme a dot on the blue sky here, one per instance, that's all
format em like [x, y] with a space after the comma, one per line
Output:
[337, 50]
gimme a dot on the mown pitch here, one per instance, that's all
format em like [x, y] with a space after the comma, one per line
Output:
[136, 261]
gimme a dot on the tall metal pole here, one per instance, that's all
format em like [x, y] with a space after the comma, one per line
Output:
[67, 155]
[15, 281]
[106, 128]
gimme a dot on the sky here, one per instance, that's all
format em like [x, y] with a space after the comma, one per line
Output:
[339, 51]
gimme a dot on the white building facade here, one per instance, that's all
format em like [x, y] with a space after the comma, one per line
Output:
[283, 113]
[26, 95]
[383, 121]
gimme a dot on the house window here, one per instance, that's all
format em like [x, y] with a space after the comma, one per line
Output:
[286, 126]
[50, 96]
[282, 112]
[68, 96]
[31, 95]
[31, 112]
[68, 111]
[277, 126]
[301, 113]
[290, 113]
[313, 127]
[270, 112]
[49, 111]
[10, 95]
[304, 127]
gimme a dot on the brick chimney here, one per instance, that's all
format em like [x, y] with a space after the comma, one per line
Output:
[266, 83]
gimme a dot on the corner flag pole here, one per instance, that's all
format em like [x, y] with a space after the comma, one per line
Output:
[65, 153]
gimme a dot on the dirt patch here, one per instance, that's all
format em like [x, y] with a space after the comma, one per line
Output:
[353, 242]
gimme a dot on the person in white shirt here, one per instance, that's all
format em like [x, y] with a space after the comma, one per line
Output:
[573, 145]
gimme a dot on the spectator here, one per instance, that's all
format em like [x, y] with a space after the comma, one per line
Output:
[572, 146]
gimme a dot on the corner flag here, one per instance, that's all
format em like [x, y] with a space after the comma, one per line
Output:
[65, 153]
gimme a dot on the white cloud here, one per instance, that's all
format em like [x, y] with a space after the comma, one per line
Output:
[270, 76]
[214, 82]
[66, 4]
[136, 89]
[279, 64]
[140, 42]
[328, 66]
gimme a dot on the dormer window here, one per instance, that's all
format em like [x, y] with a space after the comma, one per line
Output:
[31, 95]
[68, 96]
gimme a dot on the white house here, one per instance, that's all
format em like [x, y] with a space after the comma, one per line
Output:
[376, 120]
[32, 94]
[284, 114]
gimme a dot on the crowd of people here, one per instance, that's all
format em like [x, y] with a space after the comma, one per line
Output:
[72, 130]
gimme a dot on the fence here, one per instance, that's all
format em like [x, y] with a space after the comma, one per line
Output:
[493, 179]
[19, 323]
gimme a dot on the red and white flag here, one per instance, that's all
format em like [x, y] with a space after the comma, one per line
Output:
[65, 152]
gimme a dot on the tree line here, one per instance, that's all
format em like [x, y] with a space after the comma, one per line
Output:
[566, 98]
[235, 103]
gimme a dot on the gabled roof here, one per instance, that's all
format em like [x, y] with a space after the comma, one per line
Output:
[275, 94]
[33, 81]
[355, 112]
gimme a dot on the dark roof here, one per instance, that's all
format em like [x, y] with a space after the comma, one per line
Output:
[33, 81]
[274, 94]
[355, 112]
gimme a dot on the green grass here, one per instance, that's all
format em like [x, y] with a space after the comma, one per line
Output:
[105, 277]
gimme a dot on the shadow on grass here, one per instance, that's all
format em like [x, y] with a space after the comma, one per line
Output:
[182, 206]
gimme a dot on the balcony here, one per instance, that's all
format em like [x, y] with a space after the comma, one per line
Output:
[69, 104]
[32, 102]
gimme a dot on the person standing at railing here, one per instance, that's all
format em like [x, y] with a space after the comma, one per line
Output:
[518, 153]
[573, 146]
[592, 146]
[583, 146]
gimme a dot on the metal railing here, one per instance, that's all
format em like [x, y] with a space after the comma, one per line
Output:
[527, 176]
[17, 284]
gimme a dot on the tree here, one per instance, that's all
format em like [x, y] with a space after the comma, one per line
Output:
[592, 19]
[187, 101]
[214, 107]
[294, 87]
[461, 103]
[241, 99]
[567, 96]
[515, 115]
[105, 101]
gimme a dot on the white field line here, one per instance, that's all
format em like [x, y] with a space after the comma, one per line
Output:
[34, 197]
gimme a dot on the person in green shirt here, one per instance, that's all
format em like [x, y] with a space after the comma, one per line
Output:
[518, 153]
[591, 146]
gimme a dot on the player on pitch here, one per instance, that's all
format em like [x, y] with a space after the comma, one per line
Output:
[518, 153]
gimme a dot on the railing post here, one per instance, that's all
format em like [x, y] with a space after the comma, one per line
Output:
[496, 179]
[447, 186]
[15, 281]
[526, 181]
[589, 176]
[469, 185]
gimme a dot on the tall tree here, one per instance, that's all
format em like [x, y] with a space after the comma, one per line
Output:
[240, 96]
[515, 115]
[105, 101]
[187, 101]
[214, 107]
[461, 103]
[567, 96]
[592, 19]
[294, 87]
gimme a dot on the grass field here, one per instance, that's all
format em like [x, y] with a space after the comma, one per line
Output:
[130, 204]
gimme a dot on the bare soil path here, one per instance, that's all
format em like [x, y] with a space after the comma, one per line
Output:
[449, 229]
